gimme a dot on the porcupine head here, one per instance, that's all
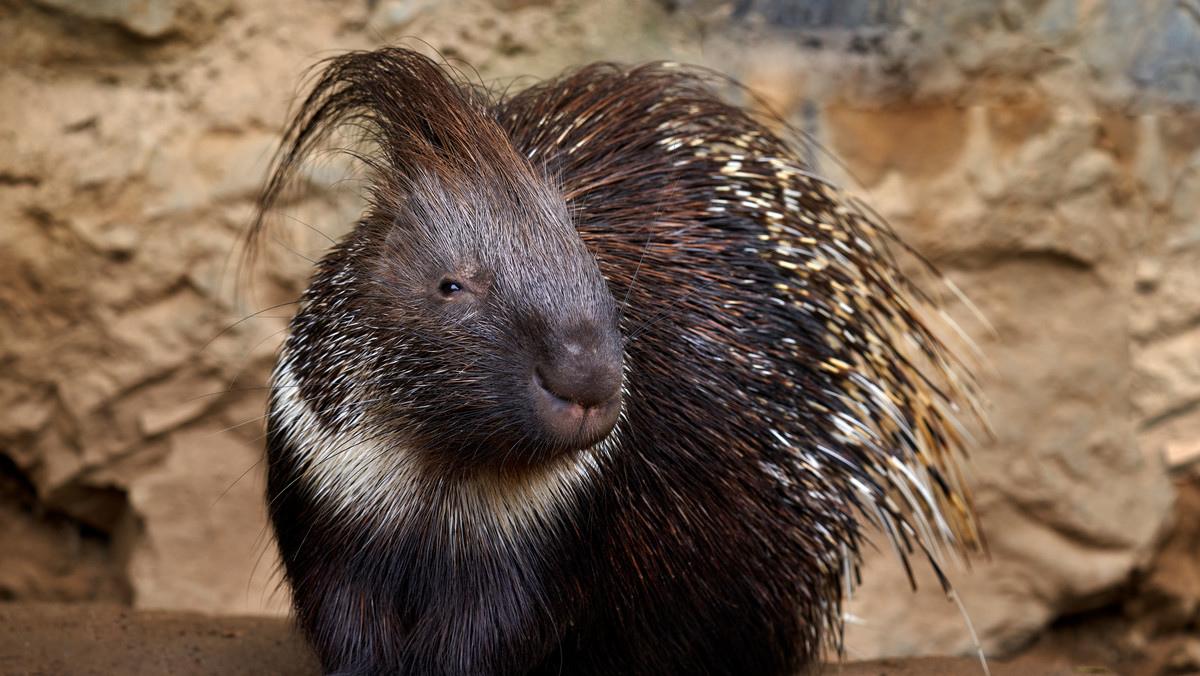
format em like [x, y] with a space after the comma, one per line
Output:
[451, 367]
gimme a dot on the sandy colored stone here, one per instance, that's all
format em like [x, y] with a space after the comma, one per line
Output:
[1172, 599]
[1182, 454]
[103, 640]
[51, 559]
[1013, 146]
[1180, 131]
[1118, 134]
[1150, 167]
[205, 544]
[1017, 118]
[1068, 502]
[1168, 376]
[917, 141]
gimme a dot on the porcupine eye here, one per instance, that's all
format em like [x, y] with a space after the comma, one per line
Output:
[449, 288]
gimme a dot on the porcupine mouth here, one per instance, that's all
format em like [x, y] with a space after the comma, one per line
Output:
[575, 425]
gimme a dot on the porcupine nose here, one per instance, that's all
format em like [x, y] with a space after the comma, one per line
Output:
[578, 388]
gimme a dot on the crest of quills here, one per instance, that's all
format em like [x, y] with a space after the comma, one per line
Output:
[604, 381]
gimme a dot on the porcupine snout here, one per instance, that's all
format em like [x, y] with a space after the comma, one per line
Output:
[577, 385]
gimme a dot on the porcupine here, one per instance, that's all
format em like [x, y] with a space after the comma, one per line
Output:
[603, 381]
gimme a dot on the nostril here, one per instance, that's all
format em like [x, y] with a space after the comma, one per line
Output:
[540, 381]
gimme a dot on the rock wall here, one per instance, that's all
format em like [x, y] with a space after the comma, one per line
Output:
[1042, 154]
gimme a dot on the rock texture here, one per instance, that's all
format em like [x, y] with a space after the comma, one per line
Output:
[101, 640]
[1042, 154]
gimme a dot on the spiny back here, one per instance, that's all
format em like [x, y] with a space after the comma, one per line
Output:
[723, 224]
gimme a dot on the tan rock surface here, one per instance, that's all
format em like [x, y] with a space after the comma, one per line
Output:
[90, 640]
[1051, 177]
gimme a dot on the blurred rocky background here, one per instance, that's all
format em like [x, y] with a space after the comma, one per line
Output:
[1044, 154]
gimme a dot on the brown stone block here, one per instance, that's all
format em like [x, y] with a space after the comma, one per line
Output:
[920, 141]
[1018, 117]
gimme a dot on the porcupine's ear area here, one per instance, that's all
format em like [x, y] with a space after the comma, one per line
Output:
[890, 393]
[407, 121]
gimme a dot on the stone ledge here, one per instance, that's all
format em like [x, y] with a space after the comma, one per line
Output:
[80, 639]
